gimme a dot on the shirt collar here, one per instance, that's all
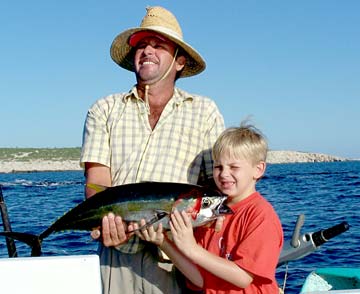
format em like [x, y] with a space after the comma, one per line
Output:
[178, 97]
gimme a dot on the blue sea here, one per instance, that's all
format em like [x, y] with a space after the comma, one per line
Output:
[326, 193]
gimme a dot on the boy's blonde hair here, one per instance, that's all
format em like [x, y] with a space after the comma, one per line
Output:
[245, 141]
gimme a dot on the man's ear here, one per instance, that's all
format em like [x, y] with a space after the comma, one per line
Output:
[180, 62]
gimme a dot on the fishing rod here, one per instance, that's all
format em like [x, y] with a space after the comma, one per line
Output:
[302, 245]
[7, 227]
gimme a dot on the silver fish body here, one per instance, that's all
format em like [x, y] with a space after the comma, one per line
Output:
[147, 200]
[152, 201]
[202, 209]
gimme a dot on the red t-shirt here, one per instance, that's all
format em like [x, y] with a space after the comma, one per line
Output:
[252, 238]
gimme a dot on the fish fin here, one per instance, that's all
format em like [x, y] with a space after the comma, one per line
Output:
[96, 187]
[32, 240]
[158, 216]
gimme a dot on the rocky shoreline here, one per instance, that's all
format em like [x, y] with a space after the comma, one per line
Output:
[274, 157]
[298, 157]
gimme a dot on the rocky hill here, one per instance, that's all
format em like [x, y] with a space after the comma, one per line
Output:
[296, 156]
[61, 159]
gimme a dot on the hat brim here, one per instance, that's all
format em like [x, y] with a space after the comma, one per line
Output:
[121, 52]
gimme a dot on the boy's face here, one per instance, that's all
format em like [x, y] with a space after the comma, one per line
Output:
[236, 177]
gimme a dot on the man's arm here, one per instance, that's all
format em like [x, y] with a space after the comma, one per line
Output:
[96, 173]
[112, 229]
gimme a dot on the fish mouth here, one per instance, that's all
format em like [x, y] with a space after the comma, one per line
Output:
[224, 209]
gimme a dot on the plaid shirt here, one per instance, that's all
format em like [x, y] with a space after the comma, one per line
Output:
[117, 134]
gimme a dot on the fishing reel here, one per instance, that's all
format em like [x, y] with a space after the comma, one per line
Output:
[302, 245]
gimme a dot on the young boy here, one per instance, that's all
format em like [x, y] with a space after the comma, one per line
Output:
[242, 256]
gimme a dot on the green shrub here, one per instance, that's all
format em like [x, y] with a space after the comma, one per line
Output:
[26, 154]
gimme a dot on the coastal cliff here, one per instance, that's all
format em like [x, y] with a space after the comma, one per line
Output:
[296, 156]
[66, 159]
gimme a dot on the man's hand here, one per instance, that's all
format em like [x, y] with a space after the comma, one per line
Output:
[149, 234]
[113, 231]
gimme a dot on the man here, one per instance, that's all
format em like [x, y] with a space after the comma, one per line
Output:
[155, 132]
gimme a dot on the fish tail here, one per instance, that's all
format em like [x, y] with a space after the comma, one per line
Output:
[32, 240]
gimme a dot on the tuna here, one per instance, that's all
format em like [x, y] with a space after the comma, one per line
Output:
[152, 201]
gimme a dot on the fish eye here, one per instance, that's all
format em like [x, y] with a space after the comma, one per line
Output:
[206, 202]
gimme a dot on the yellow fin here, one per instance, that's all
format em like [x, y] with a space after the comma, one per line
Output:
[96, 187]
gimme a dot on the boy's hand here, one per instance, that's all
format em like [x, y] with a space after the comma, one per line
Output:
[182, 232]
[219, 223]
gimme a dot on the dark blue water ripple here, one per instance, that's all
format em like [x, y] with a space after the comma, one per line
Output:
[326, 193]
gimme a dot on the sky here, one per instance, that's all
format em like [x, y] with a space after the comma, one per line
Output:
[292, 66]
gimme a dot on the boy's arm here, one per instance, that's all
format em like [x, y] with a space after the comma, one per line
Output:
[220, 267]
[185, 242]
[185, 265]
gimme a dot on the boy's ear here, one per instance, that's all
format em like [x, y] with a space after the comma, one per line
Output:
[260, 170]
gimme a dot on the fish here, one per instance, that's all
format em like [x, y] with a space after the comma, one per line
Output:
[152, 201]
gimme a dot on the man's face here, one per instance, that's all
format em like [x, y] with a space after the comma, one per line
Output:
[153, 57]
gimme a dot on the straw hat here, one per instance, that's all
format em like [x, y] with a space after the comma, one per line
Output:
[163, 22]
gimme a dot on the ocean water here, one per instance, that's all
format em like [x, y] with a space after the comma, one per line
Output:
[326, 193]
